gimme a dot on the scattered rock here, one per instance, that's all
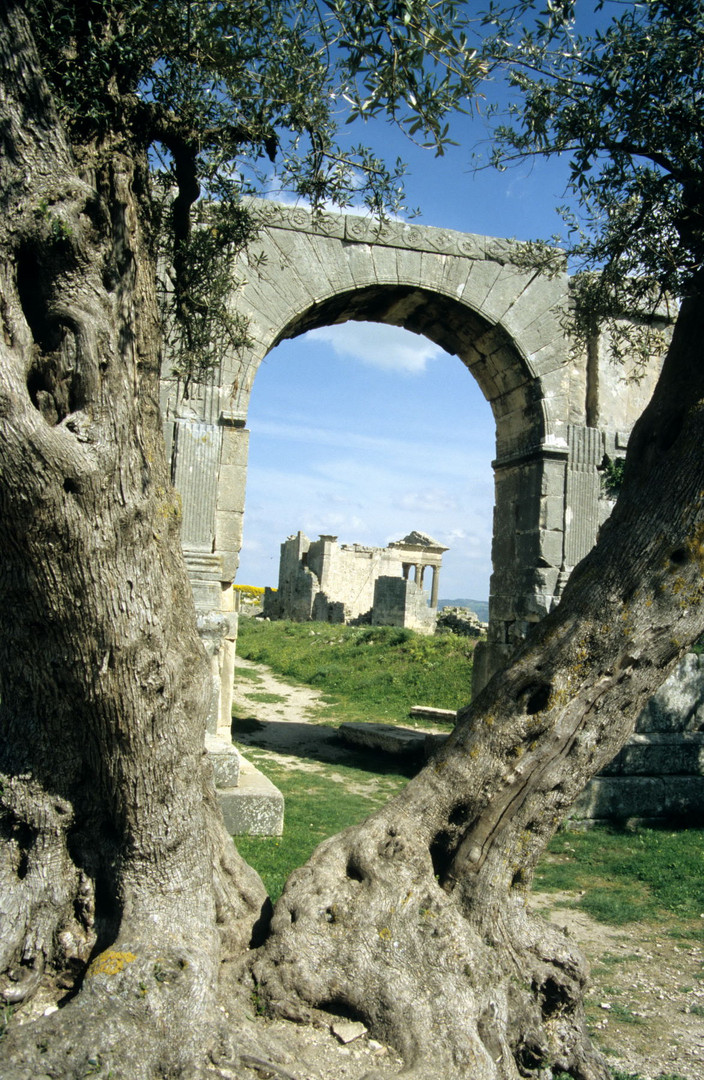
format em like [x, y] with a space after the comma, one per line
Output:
[348, 1030]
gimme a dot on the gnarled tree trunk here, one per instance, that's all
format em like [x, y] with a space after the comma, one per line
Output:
[114, 868]
[416, 920]
[118, 885]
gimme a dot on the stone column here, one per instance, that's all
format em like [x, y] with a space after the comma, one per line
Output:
[582, 488]
[435, 587]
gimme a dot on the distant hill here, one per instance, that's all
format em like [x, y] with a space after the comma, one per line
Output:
[479, 607]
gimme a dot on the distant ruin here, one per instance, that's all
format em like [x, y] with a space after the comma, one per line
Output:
[326, 582]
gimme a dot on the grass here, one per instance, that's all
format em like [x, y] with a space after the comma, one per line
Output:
[620, 876]
[319, 803]
[630, 876]
[367, 673]
[377, 673]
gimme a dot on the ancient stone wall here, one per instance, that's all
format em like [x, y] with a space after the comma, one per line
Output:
[327, 582]
[400, 602]
[659, 774]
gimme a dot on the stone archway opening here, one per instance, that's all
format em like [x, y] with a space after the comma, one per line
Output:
[527, 552]
[400, 439]
[557, 413]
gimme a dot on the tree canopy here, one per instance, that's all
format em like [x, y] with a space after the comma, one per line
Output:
[622, 100]
[229, 98]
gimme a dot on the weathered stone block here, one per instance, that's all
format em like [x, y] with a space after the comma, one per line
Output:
[427, 712]
[619, 798]
[683, 798]
[547, 356]
[360, 264]
[482, 276]
[231, 488]
[660, 754]
[255, 807]
[403, 742]
[235, 447]
[334, 270]
[551, 543]
[228, 529]
[506, 288]
[541, 303]
[386, 268]
[679, 703]
[225, 760]
[648, 798]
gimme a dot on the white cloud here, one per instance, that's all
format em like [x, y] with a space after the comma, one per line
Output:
[430, 500]
[389, 348]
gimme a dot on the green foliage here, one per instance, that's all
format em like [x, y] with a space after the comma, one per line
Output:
[612, 475]
[623, 105]
[5, 1017]
[629, 876]
[223, 97]
[265, 697]
[372, 673]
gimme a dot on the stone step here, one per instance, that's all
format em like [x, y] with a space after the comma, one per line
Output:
[641, 799]
[677, 753]
[427, 712]
[225, 759]
[403, 742]
[670, 784]
[255, 807]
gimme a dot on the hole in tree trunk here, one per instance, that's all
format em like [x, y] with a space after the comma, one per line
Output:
[538, 697]
[459, 815]
[343, 1009]
[442, 852]
[260, 930]
[353, 870]
[554, 998]
[23, 836]
[46, 329]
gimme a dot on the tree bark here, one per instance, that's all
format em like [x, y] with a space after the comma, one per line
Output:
[116, 875]
[417, 920]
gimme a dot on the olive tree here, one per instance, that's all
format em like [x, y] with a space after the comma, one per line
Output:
[120, 888]
[422, 911]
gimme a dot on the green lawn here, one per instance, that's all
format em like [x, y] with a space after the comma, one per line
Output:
[319, 803]
[377, 673]
[628, 876]
[368, 673]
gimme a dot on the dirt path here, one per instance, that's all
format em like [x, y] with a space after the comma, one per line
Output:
[281, 717]
[646, 1001]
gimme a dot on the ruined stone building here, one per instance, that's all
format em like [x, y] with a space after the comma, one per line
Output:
[325, 581]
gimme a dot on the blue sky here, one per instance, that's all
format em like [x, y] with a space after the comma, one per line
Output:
[366, 431]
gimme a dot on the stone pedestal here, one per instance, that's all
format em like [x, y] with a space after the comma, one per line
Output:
[206, 450]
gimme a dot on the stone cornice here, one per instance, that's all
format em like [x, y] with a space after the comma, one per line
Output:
[354, 228]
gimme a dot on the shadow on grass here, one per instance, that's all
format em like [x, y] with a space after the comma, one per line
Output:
[316, 742]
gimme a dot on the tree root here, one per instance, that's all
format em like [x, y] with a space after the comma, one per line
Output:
[365, 930]
[142, 1008]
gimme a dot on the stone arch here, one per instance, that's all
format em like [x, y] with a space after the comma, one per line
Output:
[470, 295]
